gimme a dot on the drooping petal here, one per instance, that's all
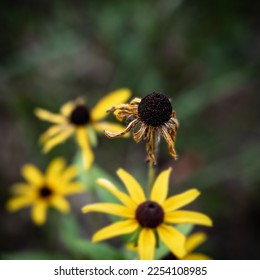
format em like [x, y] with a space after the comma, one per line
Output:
[187, 217]
[67, 108]
[179, 200]
[60, 203]
[195, 240]
[110, 208]
[118, 228]
[130, 126]
[113, 98]
[57, 139]
[196, 256]
[110, 126]
[150, 145]
[33, 175]
[160, 188]
[173, 239]
[169, 138]
[134, 189]
[82, 139]
[51, 132]
[39, 213]
[55, 168]
[48, 116]
[124, 198]
[146, 244]
[16, 203]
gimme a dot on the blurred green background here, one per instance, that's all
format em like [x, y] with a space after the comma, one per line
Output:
[205, 55]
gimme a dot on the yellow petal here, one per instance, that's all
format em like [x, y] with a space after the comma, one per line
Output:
[160, 188]
[109, 208]
[32, 174]
[55, 168]
[70, 173]
[194, 241]
[22, 188]
[146, 244]
[113, 98]
[16, 203]
[60, 203]
[72, 188]
[134, 189]
[82, 139]
[52, 131]
[39, 213]
[57, 139]
[110, 126]
[48, 116]
[125, 199]
[173, 239]
[179, 200]
[67, 108]
[196, 256]
[132, 247]
[118, 228]
[187, 217]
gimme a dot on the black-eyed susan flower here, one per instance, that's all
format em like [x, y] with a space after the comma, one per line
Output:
[76, 118]
[150, 118]
[192, 242]
[151, 217]
[42, 191]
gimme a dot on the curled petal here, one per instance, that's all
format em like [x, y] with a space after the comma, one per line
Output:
[140, 133]
[169, 138]
[130, 126]
[113, 127]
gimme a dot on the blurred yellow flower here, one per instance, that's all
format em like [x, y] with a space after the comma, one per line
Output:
[45, 190]
[153, 117]
[76, 118]
[153, 216]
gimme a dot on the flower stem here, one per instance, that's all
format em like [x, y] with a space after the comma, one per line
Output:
[151, 178]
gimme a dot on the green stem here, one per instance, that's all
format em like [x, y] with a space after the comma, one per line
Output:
[151, 178]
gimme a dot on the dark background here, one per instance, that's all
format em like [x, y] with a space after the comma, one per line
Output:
[203, 54]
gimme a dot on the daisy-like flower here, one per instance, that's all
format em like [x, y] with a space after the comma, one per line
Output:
[192, 242]
[150, 217]
[45, 190]
[76, 118]
[151, 117]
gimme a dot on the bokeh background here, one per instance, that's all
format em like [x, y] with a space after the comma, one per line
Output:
[203, 54]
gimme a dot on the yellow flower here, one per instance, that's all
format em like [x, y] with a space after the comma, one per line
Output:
[152, 116]
[76, 118]
[153, 216]
[192, 242]
[45, 190]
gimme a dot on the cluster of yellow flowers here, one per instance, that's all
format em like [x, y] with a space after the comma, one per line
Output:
[150, 217]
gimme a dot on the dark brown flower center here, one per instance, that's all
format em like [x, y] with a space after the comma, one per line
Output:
[80, 115]
[45, 192]
[149, 214]
[155, 109]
